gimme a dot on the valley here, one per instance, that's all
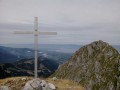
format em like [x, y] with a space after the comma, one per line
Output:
[20, 61]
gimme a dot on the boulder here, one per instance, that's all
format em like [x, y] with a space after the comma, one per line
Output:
[4, 88]
[38, 84]
[34, 84]
[24, 79]
[54, 78]
[43, 83]
[50, 86]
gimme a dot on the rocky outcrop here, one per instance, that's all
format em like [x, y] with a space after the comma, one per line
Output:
[38, 84]
[96, 66]
[19, 83]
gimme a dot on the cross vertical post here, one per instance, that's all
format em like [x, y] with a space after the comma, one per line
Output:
[36, 47]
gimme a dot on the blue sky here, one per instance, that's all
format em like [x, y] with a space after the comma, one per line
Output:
[75, 21]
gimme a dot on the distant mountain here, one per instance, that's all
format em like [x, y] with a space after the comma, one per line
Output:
[96, 66]
[59, 57]
[60, 53]
[117, 47]
[25, 67]
[10, 55]
[7, 57]
[64, 48]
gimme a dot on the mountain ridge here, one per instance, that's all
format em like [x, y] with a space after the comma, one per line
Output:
[91, 65]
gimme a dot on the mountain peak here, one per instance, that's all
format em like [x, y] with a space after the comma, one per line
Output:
[99, 43]
[94, 65]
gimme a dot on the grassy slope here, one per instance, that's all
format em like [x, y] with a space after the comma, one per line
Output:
[16, 83]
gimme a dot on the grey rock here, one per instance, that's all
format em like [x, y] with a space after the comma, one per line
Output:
[50, 86]
[54, 78]
[37, 84]
[43, 83]
[44, 88]
[34, 84]
[90, 50]
[4, 88]
[23, 79]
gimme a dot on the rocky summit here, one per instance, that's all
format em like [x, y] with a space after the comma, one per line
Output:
[30, 83]
[96, 66]
[38, 84]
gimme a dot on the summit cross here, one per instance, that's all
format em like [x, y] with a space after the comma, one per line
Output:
[35, 33]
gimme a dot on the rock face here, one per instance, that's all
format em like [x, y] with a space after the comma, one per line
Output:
[96, 66]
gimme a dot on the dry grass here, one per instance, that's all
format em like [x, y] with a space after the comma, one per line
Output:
[65, 84]
[16, 83]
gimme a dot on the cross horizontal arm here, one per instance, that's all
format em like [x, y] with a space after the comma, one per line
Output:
[23, 32]
[48, 33]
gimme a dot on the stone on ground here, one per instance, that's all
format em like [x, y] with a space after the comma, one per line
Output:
[4, 88]
[34, 84]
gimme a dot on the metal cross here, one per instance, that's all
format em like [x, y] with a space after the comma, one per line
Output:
[36, 33]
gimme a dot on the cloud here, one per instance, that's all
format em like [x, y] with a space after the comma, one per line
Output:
[76, 21]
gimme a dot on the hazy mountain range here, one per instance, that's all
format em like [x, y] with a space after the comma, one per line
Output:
[60, 53]
[9, 54]
[67, 48]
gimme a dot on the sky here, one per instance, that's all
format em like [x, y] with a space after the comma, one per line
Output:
[75, 21]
